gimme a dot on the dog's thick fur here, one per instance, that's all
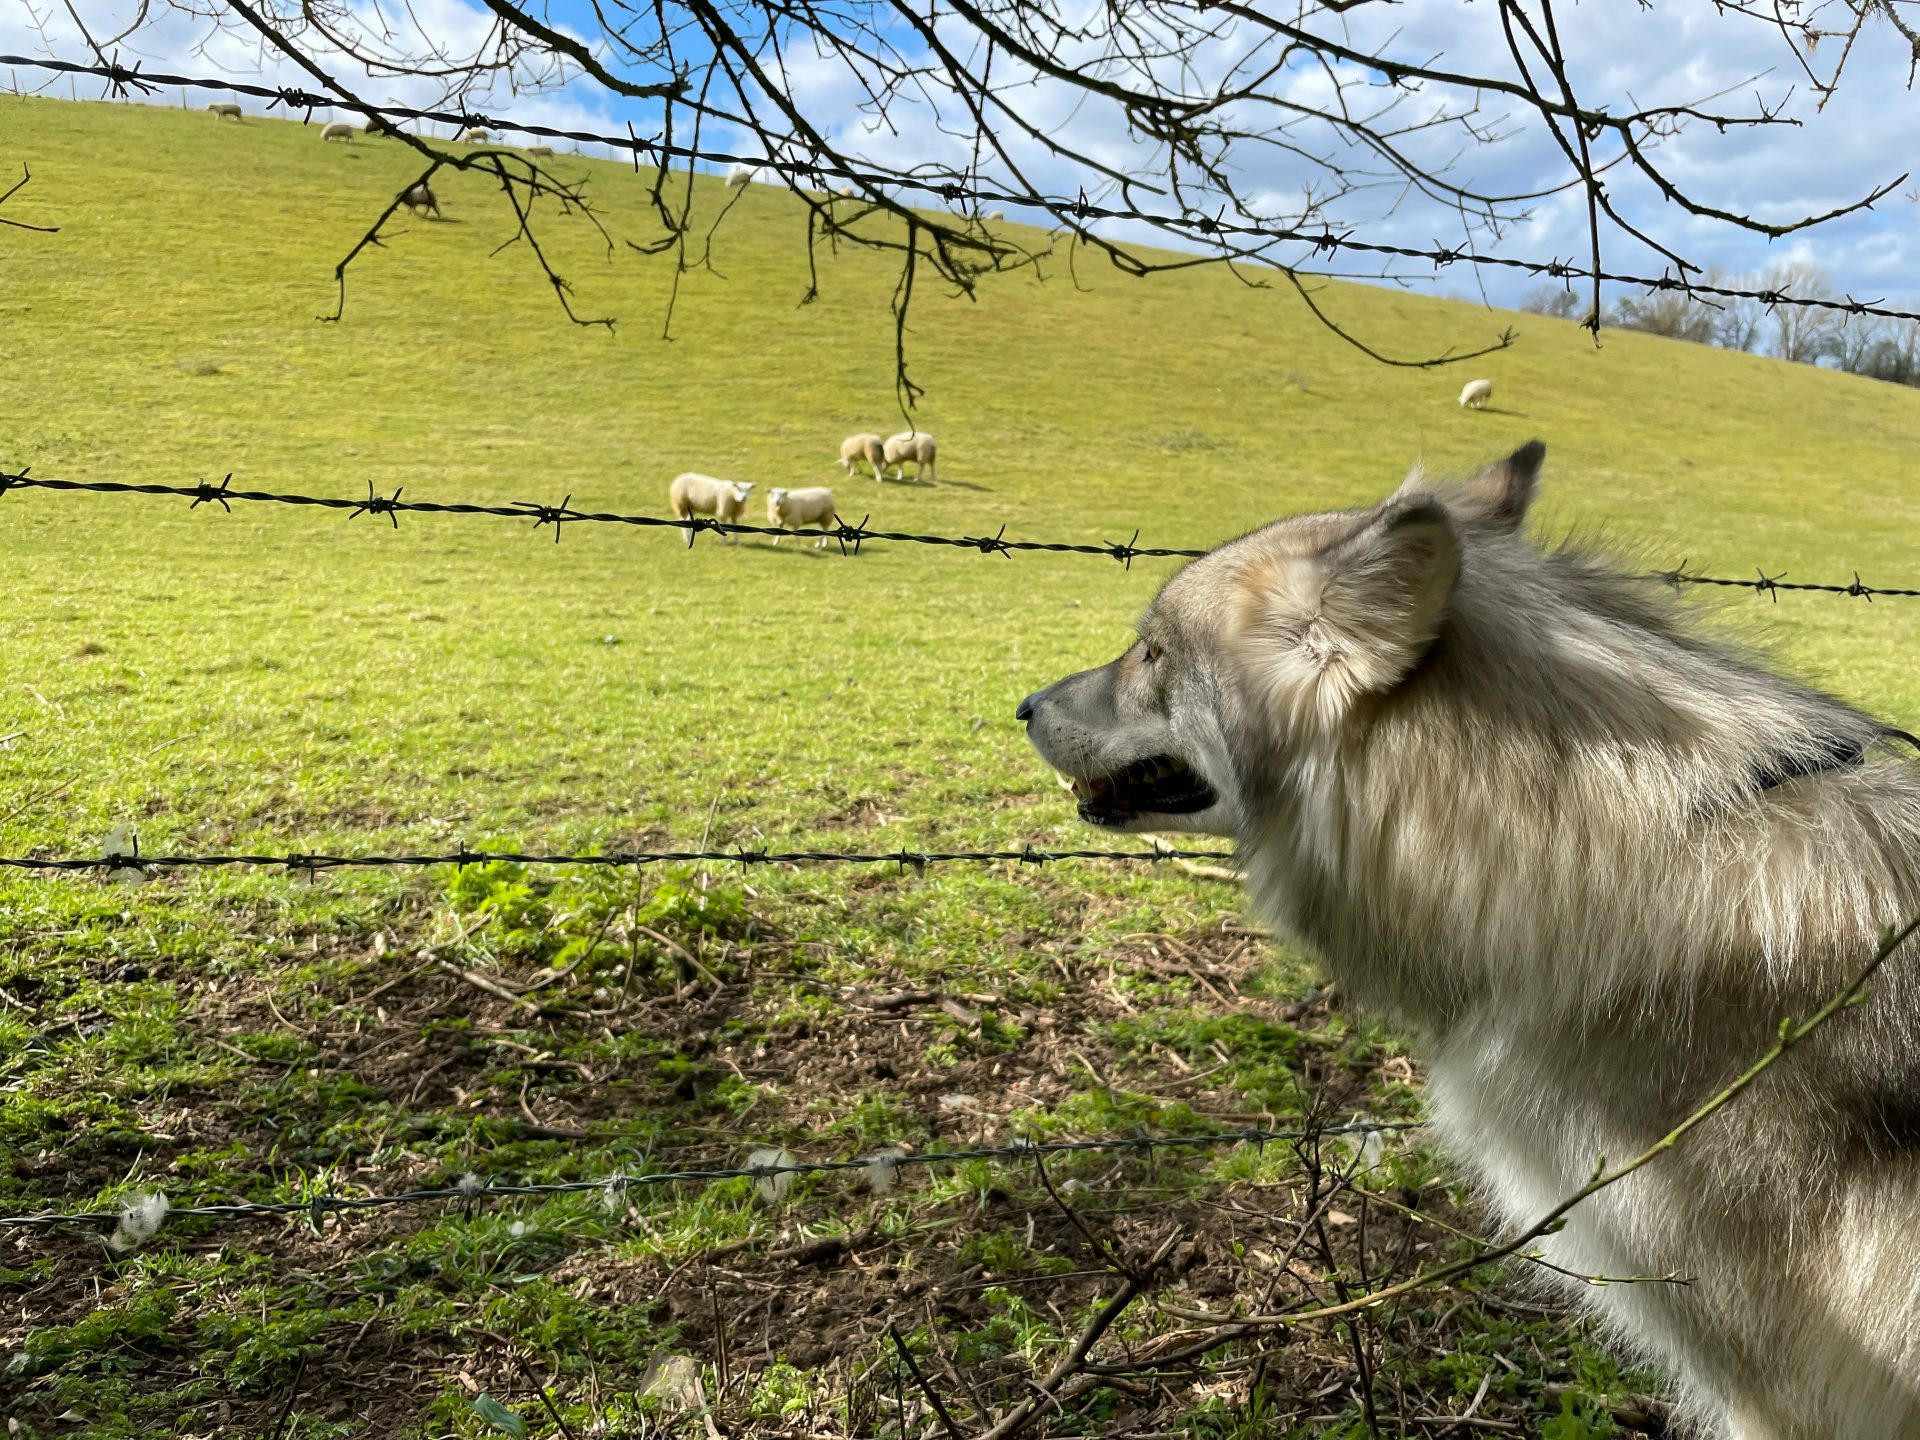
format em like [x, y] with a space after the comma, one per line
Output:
[1517, 802]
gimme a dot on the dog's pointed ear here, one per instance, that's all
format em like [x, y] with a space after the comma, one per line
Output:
[1326, 629]
[1496, 500]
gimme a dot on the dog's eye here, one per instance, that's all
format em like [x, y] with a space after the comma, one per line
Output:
[1153, 652]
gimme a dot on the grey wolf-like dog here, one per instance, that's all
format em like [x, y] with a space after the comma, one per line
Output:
[1517, 801]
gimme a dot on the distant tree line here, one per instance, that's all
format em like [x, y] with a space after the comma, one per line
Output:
[1883, 349]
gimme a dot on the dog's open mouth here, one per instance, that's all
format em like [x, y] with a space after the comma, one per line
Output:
[1158, 785]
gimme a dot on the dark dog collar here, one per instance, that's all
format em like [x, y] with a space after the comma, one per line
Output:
[1833, 752]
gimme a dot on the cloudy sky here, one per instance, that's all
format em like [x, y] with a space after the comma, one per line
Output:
[1621, 57]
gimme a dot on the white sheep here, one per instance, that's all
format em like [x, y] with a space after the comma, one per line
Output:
[225, 110]
[741, 175]
[868, 447]
[693, 494]
[791, 509]
[419, 196]
[337, 130]
[914, 445]
[994, 216]
[476, 136]
[844, 189]
[1476, 394]
[539, 150]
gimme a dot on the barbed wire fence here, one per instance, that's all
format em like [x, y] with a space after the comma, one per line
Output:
[125, 856]
[658, 151]
[877, 1168]
[849, 536]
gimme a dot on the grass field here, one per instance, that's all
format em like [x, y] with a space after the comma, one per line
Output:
[290, 679]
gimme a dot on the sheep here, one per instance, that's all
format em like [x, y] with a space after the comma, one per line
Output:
[1476, 394]
[693, 494]
[337, 130]
[739, 176]
[869, 448]
[790, 509]
[994, 216]
[845, 190]
[914, 445]
[543, 150]
[419, 196]
[475, 136]
[225, 110]
[378, 125]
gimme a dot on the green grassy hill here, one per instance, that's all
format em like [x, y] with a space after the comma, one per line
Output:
[295, 679]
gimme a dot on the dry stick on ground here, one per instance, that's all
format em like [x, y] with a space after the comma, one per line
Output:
[1309, 1153]
[541, 1391]
[1792, 1033]
[14, 189]
[913, 1368]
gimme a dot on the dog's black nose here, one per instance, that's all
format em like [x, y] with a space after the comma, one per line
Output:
[1025, 709]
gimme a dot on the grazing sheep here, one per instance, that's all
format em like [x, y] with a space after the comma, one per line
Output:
[993, 216]
[741, 175]
[337, 130]
[539, 150]
[476, 136]
[914, 445]
[869, 448]
[225, 109]
[1476, 394]
[378, 125]
[693, 495]
[419, 196]
[791, 509]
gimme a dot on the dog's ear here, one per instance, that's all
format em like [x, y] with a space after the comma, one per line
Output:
[1324, 630]
[1496, 500]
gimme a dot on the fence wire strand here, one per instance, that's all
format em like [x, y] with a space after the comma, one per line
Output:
[473, 1189]
[393, 506]
[1191, 223]
[296, 861]
[849, 536]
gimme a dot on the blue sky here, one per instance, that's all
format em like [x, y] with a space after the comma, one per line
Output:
[1677, 51]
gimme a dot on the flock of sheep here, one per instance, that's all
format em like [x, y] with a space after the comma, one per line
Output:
[693, 494]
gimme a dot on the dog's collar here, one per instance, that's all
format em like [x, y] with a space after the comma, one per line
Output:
[1832, 752]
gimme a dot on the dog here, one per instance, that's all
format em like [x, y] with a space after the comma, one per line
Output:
[1590, 857]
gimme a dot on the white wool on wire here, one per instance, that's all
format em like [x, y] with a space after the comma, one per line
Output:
[140, 1220]
[773, 1187]
[883, 1169]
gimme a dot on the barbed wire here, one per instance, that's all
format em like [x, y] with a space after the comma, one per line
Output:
[129, 858]
[1769, 585]
[1326, 240]
[392, 506]
[472, 1188]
